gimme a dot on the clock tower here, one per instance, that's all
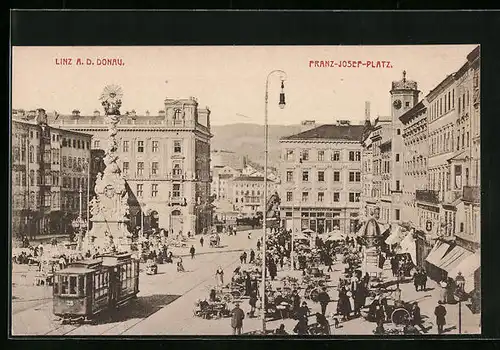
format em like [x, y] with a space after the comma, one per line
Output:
[404, 96]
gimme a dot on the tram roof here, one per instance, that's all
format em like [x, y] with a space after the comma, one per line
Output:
[75, 270]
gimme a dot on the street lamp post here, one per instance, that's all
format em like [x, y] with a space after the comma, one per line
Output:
[460, 283]
[79, 223]
[264, 226]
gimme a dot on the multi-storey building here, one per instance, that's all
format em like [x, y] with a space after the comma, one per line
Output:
[321, 178]
[415, 161]
[380, 133]
[385, 203]
[417, 215]
[248, 194]
[222, 184]
[45, 192]
[165, 160]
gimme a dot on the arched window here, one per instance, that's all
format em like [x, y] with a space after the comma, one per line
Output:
[176, 213]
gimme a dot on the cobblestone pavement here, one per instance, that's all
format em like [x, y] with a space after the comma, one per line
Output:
[166, 301]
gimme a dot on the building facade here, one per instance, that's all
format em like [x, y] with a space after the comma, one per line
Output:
[50, 172]
[248, 194]
[321, 178]
[165, 160]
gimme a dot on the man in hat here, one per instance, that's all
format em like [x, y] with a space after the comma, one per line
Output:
[237, 319]
[440, 313]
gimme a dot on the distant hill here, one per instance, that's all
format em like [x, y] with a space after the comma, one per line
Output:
[248, 139]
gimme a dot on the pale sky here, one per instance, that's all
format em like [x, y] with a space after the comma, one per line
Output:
[230, 80]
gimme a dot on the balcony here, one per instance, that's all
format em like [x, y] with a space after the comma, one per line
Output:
[429, 196]
[471, 194]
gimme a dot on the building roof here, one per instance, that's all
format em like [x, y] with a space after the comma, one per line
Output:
[225, 176]
[251, 178]
[330, 131]
[415, 111]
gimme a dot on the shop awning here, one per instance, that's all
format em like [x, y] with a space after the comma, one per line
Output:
[395, 237]
[437, 253]
[453, 258]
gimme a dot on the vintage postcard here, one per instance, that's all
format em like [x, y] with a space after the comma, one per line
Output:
[245, 190]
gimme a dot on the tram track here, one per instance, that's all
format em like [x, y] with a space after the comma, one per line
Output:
[67, 329]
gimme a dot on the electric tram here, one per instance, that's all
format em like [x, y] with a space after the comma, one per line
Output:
[88, 288]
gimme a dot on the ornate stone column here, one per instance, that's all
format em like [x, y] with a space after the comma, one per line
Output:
[109, 208]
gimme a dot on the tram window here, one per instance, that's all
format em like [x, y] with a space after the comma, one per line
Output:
[56, 285]
[72, 285]
[64, 284]
[81, 285]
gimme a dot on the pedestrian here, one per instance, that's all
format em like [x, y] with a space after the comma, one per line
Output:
[323, 299]
[328, 262]
[416, 317]
[241, 258]
[219, 276]
[201, 241]
[423, 277]
[237, 319]
[417, 280]
[248, 283]
[252, 256]
[303, 312]
[394, 266]
[258, 245]
[192, 251]
[440, 313]
[244, 257]
[249, 235]
[443, 292]
[253, 302]
[295, 303]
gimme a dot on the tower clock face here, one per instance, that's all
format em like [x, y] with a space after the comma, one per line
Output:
[397, 104]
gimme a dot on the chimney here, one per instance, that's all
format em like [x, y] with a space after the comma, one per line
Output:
[96, 113]
[133, 114]
[307, 125]
[75, 113]
[147, 113]
[161, 112]
[343, 122]
[367, 110]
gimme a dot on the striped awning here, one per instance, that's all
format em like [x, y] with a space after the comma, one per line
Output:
[454, 258]
[437, 253]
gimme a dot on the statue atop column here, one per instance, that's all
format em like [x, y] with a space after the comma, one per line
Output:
[110, 206]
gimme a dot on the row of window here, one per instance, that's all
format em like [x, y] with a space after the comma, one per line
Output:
[176, 190]
[443, 105]
[74, 143]
[354, 176]
[51, 199]
[247, 193]
[74, 162]
[155, 168]
[353, 156]
[155, 146]
[353, 196]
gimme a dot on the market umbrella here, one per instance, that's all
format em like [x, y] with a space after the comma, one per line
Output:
[336, 237]
[301, 237]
